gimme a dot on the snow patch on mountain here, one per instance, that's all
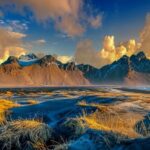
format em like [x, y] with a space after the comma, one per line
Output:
[27, 60]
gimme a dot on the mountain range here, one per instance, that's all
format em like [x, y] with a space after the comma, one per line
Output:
[134, 70]
[29, 70]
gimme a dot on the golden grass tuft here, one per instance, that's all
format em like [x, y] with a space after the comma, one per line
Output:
[25, 124]
[9, 93]
[4, 106]
[24, 133]
[32, 102]
[111, 118]
[82, 103]
[103, 108]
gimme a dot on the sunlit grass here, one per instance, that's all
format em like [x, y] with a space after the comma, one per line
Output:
[4, 106]
[24, 133]
[99, 107]
[111, 118]
[9, 93]
[32, 102]
[114, 118]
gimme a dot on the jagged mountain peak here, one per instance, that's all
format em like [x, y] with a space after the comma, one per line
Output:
[140, 62]
[117, 71]
[124, 57]
[138, 57]
[123, 60]
[47, 60]
[86, 68]
[141, 55]
[45, 72]
[70, 66]
[11, 60]
[10, 66]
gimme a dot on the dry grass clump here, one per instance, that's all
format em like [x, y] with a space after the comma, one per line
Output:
[32, 102]
[9, 93]
[111, 118]
[112, 123]
[103, 108]
[4, 106]
[24, 133]
[82, 103]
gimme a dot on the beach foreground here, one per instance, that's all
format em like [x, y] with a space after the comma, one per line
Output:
[75, 118]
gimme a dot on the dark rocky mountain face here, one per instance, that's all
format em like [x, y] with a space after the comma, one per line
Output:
[71, 66]
[140, 63]
[118, 71]
[11, 60]
[90, 72]
[107, 74]
[47, 60]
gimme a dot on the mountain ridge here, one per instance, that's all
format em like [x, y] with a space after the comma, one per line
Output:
[46, 71]
[119, 72]
[49, 71]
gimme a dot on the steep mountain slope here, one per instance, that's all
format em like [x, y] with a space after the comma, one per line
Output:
[11, 73]
[90, 72]
[137, 78]
[45, 71]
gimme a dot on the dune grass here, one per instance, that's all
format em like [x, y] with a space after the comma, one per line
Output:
[32, 102]
[4, 106]
[98, 106]
[111, 118]
[19, 134]
[9, 93]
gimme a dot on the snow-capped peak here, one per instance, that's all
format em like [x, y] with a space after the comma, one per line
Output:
[30, 56]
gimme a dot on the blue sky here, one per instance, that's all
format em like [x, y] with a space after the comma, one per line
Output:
[124, 19]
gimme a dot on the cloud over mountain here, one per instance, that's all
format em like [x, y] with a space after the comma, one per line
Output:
[64, 58]
[87, 54]
[113, 52]
[110, 51]
[10, 44]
